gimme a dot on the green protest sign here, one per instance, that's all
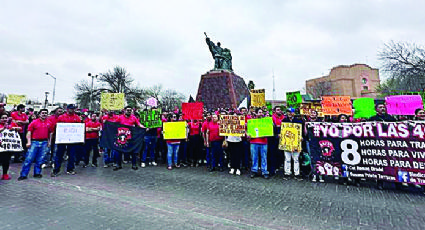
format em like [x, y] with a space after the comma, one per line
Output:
[293, 99]
[261, 127]
[151, 118]
[364, 107]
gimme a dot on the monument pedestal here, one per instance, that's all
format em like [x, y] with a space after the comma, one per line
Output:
[221, 89]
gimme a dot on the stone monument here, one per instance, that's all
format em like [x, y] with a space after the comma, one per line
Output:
[221, 87]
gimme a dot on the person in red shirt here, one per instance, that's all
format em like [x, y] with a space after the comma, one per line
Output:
[21, 119]
[127, 119]
[204, 126]
[93, 127]
[38, 140]
[173, 147]
[69, 117]
[6, 123]
[259, 148]
[51, 152]
[275, 159]
[195, 144]
[215, 141]
[108, 158]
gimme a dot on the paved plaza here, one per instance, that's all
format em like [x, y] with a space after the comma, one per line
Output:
[193, 198]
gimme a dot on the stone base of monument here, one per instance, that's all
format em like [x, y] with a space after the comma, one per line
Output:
[221, 89]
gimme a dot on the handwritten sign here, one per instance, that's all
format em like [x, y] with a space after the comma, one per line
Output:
[193, 111]
[10, 141]
[14, 99]
[258, 97]
[403, 104]
[336, 105]
[306, 108]
[232, 125]
[364, 107]
[290, 137]
[293, 99]
[151, 118]
[175, 130]
[70, 133]
[261, 127]
[112, 101]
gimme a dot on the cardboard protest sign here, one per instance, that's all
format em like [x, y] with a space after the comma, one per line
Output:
[293, 99]
[175, 130]
[14, 99]
[10, 141]
[260, 127]
[258, 97]
[193, 111]
[336, 105]
[306, 108]
[112, 101]
[290, 137]
[232, 125]
[403, 104]
[151, 118]
[364, 107]
[70, 133]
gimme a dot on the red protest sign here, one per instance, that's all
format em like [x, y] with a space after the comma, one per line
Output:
[193, 111]
[336, 105]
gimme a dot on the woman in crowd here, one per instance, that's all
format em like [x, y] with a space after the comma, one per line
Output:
[235, 150]
[195, 144]
[173, 147]
[6, 123]
[419, 115]
[259, 149]
[215, 141]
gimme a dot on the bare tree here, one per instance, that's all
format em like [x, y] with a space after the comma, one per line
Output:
[320, 88]
[170, 99]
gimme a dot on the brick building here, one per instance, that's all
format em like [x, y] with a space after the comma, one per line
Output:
[357, 80]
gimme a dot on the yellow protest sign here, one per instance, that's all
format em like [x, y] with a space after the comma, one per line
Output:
[258, 97]
[306, 108]
[112, 101]
[175, 130]
[14, 99]
[290, 137]
[232, 125]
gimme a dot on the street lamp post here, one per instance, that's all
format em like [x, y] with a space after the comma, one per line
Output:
[46, 102]
[92, 89]
[54, 88]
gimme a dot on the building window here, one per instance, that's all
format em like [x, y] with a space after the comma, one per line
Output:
[364, 81]
[365, 88]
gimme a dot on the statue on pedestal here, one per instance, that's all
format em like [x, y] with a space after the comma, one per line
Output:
[222, 56]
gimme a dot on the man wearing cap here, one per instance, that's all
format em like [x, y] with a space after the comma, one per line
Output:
[68, 117]
[290, 118]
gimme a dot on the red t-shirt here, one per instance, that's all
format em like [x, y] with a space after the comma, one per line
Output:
[22, 117]
[214, 130]
[40, 130]
[277, 120]
[194, 128]
[92, 124]
[112, 118]
[12, 125]
[204, 126]
[53, 119]
[67, 118]
[130, 121]
[260, 140]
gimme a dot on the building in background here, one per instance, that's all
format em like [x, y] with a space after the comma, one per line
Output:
[357, 80]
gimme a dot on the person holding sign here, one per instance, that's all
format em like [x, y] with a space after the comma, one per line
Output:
[21, 119]
[6, 123]
[215, 141]
[173, 146]
[195, 142]
[69, 117]
[292, 155]
[39, 138]
[259, 149]
[108, 157]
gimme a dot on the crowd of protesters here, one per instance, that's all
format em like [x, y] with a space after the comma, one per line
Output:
[203, 147]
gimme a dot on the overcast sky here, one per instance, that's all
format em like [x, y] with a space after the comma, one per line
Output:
[162, 42]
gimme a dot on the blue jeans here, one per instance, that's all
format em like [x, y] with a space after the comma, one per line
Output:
[118, 158]
[108, 156]
[216, 153]
[150, 146]
[38, 152]
[72, 148]
[173, 150]
[257, 149]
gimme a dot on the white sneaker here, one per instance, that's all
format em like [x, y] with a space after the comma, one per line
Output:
[154, 163]
[43, 166]
[321, 179]
[106, 166]
[143, 165]
[232, 171]
[238, 172]
[314, 178]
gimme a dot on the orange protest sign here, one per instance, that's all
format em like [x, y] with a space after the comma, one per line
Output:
[336, 105]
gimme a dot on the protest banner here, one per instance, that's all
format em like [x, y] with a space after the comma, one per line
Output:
[112, 101]
[403, 104]
[175, 130]
[193, 110]
[151, 118]
[260, 127]
[364, 107]
[336, 105]
[70, 133]
[306, 108]
[390, 151]
[14, 99]
[293, 99]
[258, 97]
[122, 138]
[232, 125]
[10, 141]
[290, 137]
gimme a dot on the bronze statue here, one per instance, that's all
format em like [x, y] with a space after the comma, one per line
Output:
[222, 57]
